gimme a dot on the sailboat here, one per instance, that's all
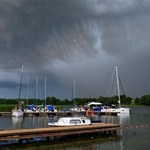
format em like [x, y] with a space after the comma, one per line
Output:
[75, 108]
[120, 109]
[18, 112]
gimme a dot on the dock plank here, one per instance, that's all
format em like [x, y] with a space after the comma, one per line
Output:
[55, 131]
[58, 113]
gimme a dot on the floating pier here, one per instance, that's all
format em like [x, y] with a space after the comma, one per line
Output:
[28, 134]
[59, 113]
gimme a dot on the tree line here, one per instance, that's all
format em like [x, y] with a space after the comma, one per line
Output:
[144, 100]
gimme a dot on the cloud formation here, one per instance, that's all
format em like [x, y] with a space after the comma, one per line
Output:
[43, 35]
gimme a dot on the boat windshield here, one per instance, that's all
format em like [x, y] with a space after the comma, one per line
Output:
[75, 121]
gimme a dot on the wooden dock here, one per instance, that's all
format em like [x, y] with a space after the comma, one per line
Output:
[28, 134]
[58, 113]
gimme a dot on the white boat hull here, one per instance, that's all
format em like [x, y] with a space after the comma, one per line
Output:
[77, 109]
[17, 113]
[119, 110]
[71, 121]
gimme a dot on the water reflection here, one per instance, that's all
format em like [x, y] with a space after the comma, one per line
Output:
[28, 122]
[8, 122]
[135, 128]
[122, 119]
[17, 122]
[72, 143]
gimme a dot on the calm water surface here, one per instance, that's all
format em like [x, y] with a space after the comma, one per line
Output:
[135, 133]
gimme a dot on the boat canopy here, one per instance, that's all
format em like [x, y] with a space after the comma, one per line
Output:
[94, 103]
[50, 108]
[31, 107]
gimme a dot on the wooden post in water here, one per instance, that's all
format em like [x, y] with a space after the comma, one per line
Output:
[20, 141]
[114, 132]
[47, 138]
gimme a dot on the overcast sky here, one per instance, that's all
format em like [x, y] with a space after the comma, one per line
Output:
[81, 40]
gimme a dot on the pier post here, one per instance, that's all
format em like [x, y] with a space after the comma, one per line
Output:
[109, 132]
[47, 138]
[114, 132]
[20, 141]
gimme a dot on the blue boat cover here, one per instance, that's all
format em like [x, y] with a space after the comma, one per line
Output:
[50, 108]
[31, 107]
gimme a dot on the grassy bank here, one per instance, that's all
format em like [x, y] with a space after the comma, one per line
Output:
[6, 108]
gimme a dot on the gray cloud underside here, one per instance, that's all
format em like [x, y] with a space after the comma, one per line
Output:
[38, 33]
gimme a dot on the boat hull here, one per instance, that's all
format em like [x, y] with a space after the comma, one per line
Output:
[70, 121]
[119, 110]
[17, 113]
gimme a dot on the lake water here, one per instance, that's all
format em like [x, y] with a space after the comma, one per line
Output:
[135, 133]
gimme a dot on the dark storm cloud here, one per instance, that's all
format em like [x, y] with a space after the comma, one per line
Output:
[37, 32]
[40, 33]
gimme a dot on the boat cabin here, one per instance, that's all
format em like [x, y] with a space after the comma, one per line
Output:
[96, 106]
[69, 121]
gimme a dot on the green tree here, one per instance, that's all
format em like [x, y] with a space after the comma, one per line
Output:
[145, 100]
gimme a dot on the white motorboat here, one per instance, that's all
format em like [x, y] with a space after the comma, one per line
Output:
[70, 121]
[96, 106]
[121, 110]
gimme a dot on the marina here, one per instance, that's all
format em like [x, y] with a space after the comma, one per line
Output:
[132, 128]
[74, 75]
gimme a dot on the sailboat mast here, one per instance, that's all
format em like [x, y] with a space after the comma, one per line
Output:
[45, 91]
[118, 88]
[74, 91]
[27, 91]
[20, 82]
[36, 89]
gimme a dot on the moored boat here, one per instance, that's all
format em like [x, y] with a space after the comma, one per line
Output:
[17, 113]
[120, 109]
[70, 121]
[95, 106]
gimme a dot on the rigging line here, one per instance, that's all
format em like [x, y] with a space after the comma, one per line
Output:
[111, 91]
[27, 90]
[121, 86]
[111, 84]
[75, 92]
